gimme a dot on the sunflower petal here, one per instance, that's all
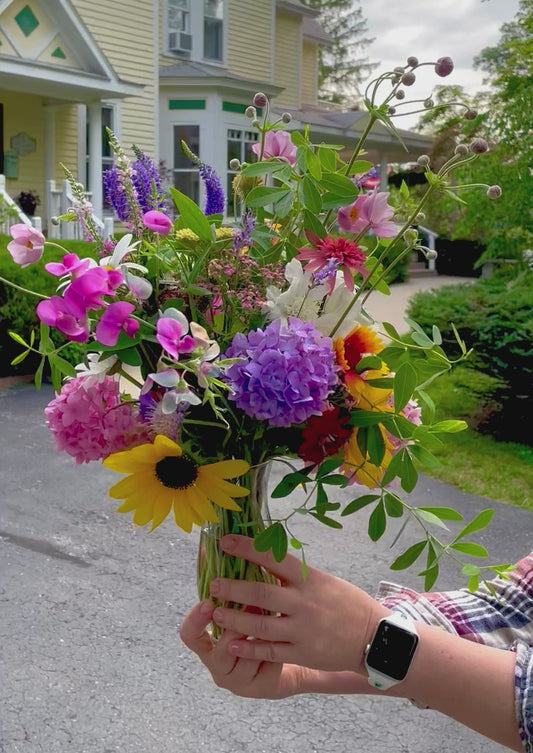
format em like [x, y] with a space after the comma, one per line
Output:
[229, 468]
[232, 490]
[166, 446]
[200, 503]
[182, 513]
[128, 461]
[218, 496]
[162, 507]
[145, 481]
[143, 514]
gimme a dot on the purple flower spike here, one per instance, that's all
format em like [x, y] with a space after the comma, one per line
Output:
[116, 194]
[287, 373]
[215, 197]
[147, 184]
[116, 319]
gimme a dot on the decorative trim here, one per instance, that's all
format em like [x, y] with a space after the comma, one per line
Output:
[237, 107]
[186, 104]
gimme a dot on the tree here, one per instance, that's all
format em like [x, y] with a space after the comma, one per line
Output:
[342, 66]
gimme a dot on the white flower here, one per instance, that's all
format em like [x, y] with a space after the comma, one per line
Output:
[141, 288]
[311, 303]
[96, 367]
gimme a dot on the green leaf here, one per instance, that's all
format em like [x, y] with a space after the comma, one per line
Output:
[429, 517]
[289, 483]
[262, 168]
[360, 167]
[298, 139]
[19, 358]
[312, 164]
[192, 216]
[470, 548]
[470, 570]
[295, 543]
[328, 158]
[39, 373]
[274, 537]
[431, 576]
[393, 506]
[45, 343]
[473, 583]
[283, 205]
[369, 362]
[377, 522]
[420, 338]
[357, 504]
[366, 418]
[477, 524]
[437, 337]
[63, 366]
[375, 445]
[410, 555]
[382, 384]
[424, 456]
[390, 330]
[362, 439]
[405, 381]
[428, 402]
[325, 520]
[328, 465]
[18, 339]
[449, 426]
[444, 513]
[309, 195]
[313, 224]
[336, 479]
[261, 196]
[130, 356]
[408, 474]
[340, 185]
[393, 469]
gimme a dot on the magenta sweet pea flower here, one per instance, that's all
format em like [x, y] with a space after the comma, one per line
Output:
[369, 212]
[56, 312]
[116, 319]
[172, 334]
[277, 144]
[158, 222]
[72, 265]
[27, 245]
[85, 292]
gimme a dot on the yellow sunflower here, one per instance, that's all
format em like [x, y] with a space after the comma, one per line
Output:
[163, 477]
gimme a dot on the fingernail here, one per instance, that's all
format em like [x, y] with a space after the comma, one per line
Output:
[206, 608]
[233, 648]
[228, 543]
[214, 587]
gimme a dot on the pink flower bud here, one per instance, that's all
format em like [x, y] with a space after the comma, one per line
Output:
[470, 114]
[157, 222]
[408, 78]
[479, 146]
[461, 149]
[412, 61]
[494, 192]
[27, 245]
[260, 100]
[250, 112]
[444, 66]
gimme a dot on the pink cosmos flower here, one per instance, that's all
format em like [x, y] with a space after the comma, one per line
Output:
[27, 245]
[172, 334]
[116, 319]
[89, 422]
[277, 144]
[369, 212]
[330, 255]
[158, 222]
[72, 265]
[56, 312]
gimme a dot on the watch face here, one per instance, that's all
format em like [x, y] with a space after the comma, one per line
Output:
[391, 650]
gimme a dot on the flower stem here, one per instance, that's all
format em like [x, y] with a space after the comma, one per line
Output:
[24, 290]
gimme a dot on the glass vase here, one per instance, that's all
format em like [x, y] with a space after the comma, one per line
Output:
[253, 518]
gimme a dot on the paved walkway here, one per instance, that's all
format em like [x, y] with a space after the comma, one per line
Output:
[392, 308]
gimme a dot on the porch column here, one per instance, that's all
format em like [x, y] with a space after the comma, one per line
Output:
[49, 159]
[94, 111]
[383, 172]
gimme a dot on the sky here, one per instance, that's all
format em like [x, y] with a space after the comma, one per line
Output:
[430, 29]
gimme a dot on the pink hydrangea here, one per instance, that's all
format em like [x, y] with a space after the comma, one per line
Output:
[89, 422]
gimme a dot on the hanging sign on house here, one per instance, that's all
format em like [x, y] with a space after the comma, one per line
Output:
[22, 144]
[11, 165]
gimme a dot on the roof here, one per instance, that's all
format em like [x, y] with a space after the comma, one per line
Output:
[311, 29]
[205, 74]
[296, 6]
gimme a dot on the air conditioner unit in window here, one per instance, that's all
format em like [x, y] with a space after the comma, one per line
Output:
[179, 41]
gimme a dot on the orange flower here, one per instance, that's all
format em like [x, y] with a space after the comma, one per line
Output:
[355, 464]
[350, 349]
[365, 395]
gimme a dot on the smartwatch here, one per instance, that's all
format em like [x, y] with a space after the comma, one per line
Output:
[389, 655]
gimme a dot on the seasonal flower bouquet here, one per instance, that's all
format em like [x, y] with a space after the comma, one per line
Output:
[214, 346]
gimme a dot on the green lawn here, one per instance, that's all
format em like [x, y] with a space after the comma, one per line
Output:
[473, 462]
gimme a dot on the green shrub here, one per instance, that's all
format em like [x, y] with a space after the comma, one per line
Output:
[17, 309]
[495, 319]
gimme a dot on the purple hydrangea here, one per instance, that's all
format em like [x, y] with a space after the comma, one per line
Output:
[287, 373]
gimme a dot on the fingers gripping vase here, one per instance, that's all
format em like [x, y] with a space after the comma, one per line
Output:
[253, 518]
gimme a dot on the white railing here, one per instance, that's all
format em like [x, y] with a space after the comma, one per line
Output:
[58, 202]
[11, 213]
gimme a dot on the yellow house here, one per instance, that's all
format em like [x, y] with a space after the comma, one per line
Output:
[155, 72]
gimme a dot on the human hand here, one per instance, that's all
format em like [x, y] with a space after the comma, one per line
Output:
[321, 622]
[244, 677]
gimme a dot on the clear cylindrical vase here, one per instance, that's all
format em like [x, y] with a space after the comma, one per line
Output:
[253, 518]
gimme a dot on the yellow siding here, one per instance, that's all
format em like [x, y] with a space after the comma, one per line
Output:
[309, 73]
[123, 29]
[24, 113]
[287, 61]
[249, 37]
[66, 146]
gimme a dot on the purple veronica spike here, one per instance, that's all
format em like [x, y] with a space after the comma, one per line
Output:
[216, 199]
[116, 194]
[243, 237]
[147, 184]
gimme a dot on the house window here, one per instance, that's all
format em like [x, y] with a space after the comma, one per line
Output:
[179, 26]
[185, 174]
[108, 121]
[239, 146]
[213, 29]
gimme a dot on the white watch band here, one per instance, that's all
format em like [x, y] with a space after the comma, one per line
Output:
[378, 679]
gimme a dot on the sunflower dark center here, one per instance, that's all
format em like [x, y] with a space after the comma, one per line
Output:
[176, 473]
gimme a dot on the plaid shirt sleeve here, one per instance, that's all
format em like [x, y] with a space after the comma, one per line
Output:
[501, 620]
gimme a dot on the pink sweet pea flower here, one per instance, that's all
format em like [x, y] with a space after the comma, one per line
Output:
[85, 292]
[158, 222]
[116, 319]
[277, 144]
[369, 212]
[27, 245]
[56, 312]
[172, 334]
[72, 265]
